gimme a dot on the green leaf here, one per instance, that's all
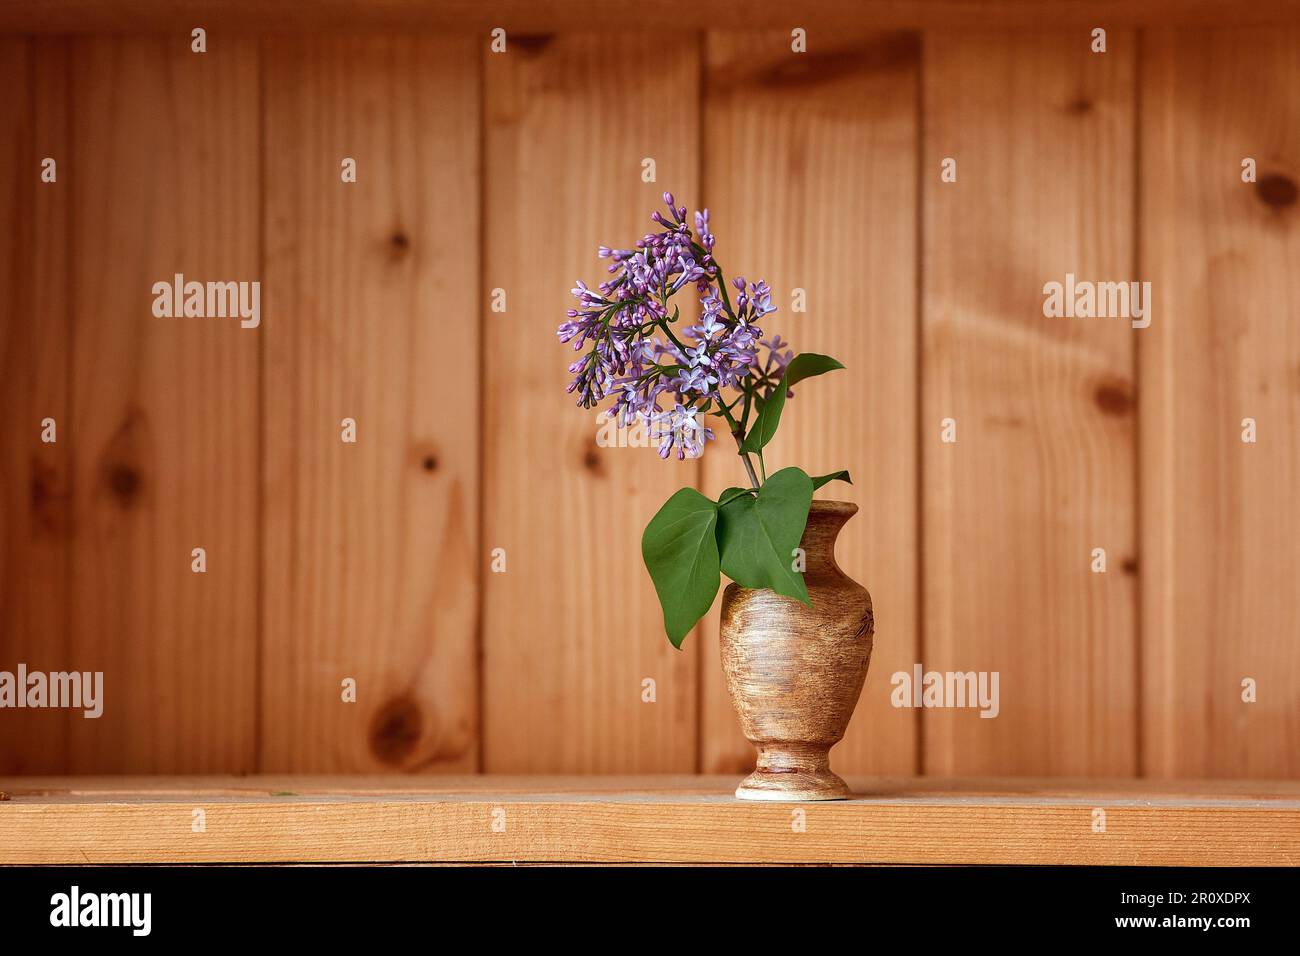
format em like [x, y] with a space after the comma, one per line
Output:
[833, 476]
[802, 366]
[680, 551]
[731, 494]
[757, 534]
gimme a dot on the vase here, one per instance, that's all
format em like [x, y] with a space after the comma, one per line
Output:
[795, 672]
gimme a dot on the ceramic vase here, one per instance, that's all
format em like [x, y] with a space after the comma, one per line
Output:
[795, 672]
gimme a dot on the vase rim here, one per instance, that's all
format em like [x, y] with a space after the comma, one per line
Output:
[826, 507]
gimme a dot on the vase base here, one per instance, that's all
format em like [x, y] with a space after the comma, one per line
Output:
[793, 787]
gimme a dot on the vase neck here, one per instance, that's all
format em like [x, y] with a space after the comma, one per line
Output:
[825, 519]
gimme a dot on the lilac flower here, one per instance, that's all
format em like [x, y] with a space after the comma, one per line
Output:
[710, 325]
[697, 379]
[633, 356]
[678, 429]
[761, 299]
[690, 272]
[702, 227]
[769, 371]
[776, 359]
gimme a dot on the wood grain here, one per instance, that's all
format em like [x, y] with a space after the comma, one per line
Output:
[1221, 523]
[821, 197]
[1042, 471]
[329, 560]
[634, 787]
[371, 548]
[642, 819]
[35, 354]
[529, 16]
[164, 178]
[572, 627]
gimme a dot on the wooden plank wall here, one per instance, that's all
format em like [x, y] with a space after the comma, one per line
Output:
[568, 123]
[164, 414]
[156, 449]
[379, 561]
[371, 548]
[1221, 535]
[35, 356]
[1042, 468]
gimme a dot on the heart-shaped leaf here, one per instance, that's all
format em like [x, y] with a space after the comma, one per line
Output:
[758, 534]
[731, 494]
[680, 551]
[833, 476]
[804, 365]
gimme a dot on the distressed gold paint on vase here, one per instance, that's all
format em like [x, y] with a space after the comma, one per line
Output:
[795, 672]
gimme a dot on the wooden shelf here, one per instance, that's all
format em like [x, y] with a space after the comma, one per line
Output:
[78, 820]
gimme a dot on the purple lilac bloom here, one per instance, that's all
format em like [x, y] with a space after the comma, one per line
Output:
[634, 355]
[770, 370]
[679, 429]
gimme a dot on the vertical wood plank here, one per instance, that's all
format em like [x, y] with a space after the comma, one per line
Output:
[1221, 523]
[35, 349]
[572, 627]
[1043, 468]
[165, 411]
[811, 176]
[371, 549]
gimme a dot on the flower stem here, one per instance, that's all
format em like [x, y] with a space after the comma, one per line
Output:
[749, 465]
[722, 287]
[672, 338]
[738, 433]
